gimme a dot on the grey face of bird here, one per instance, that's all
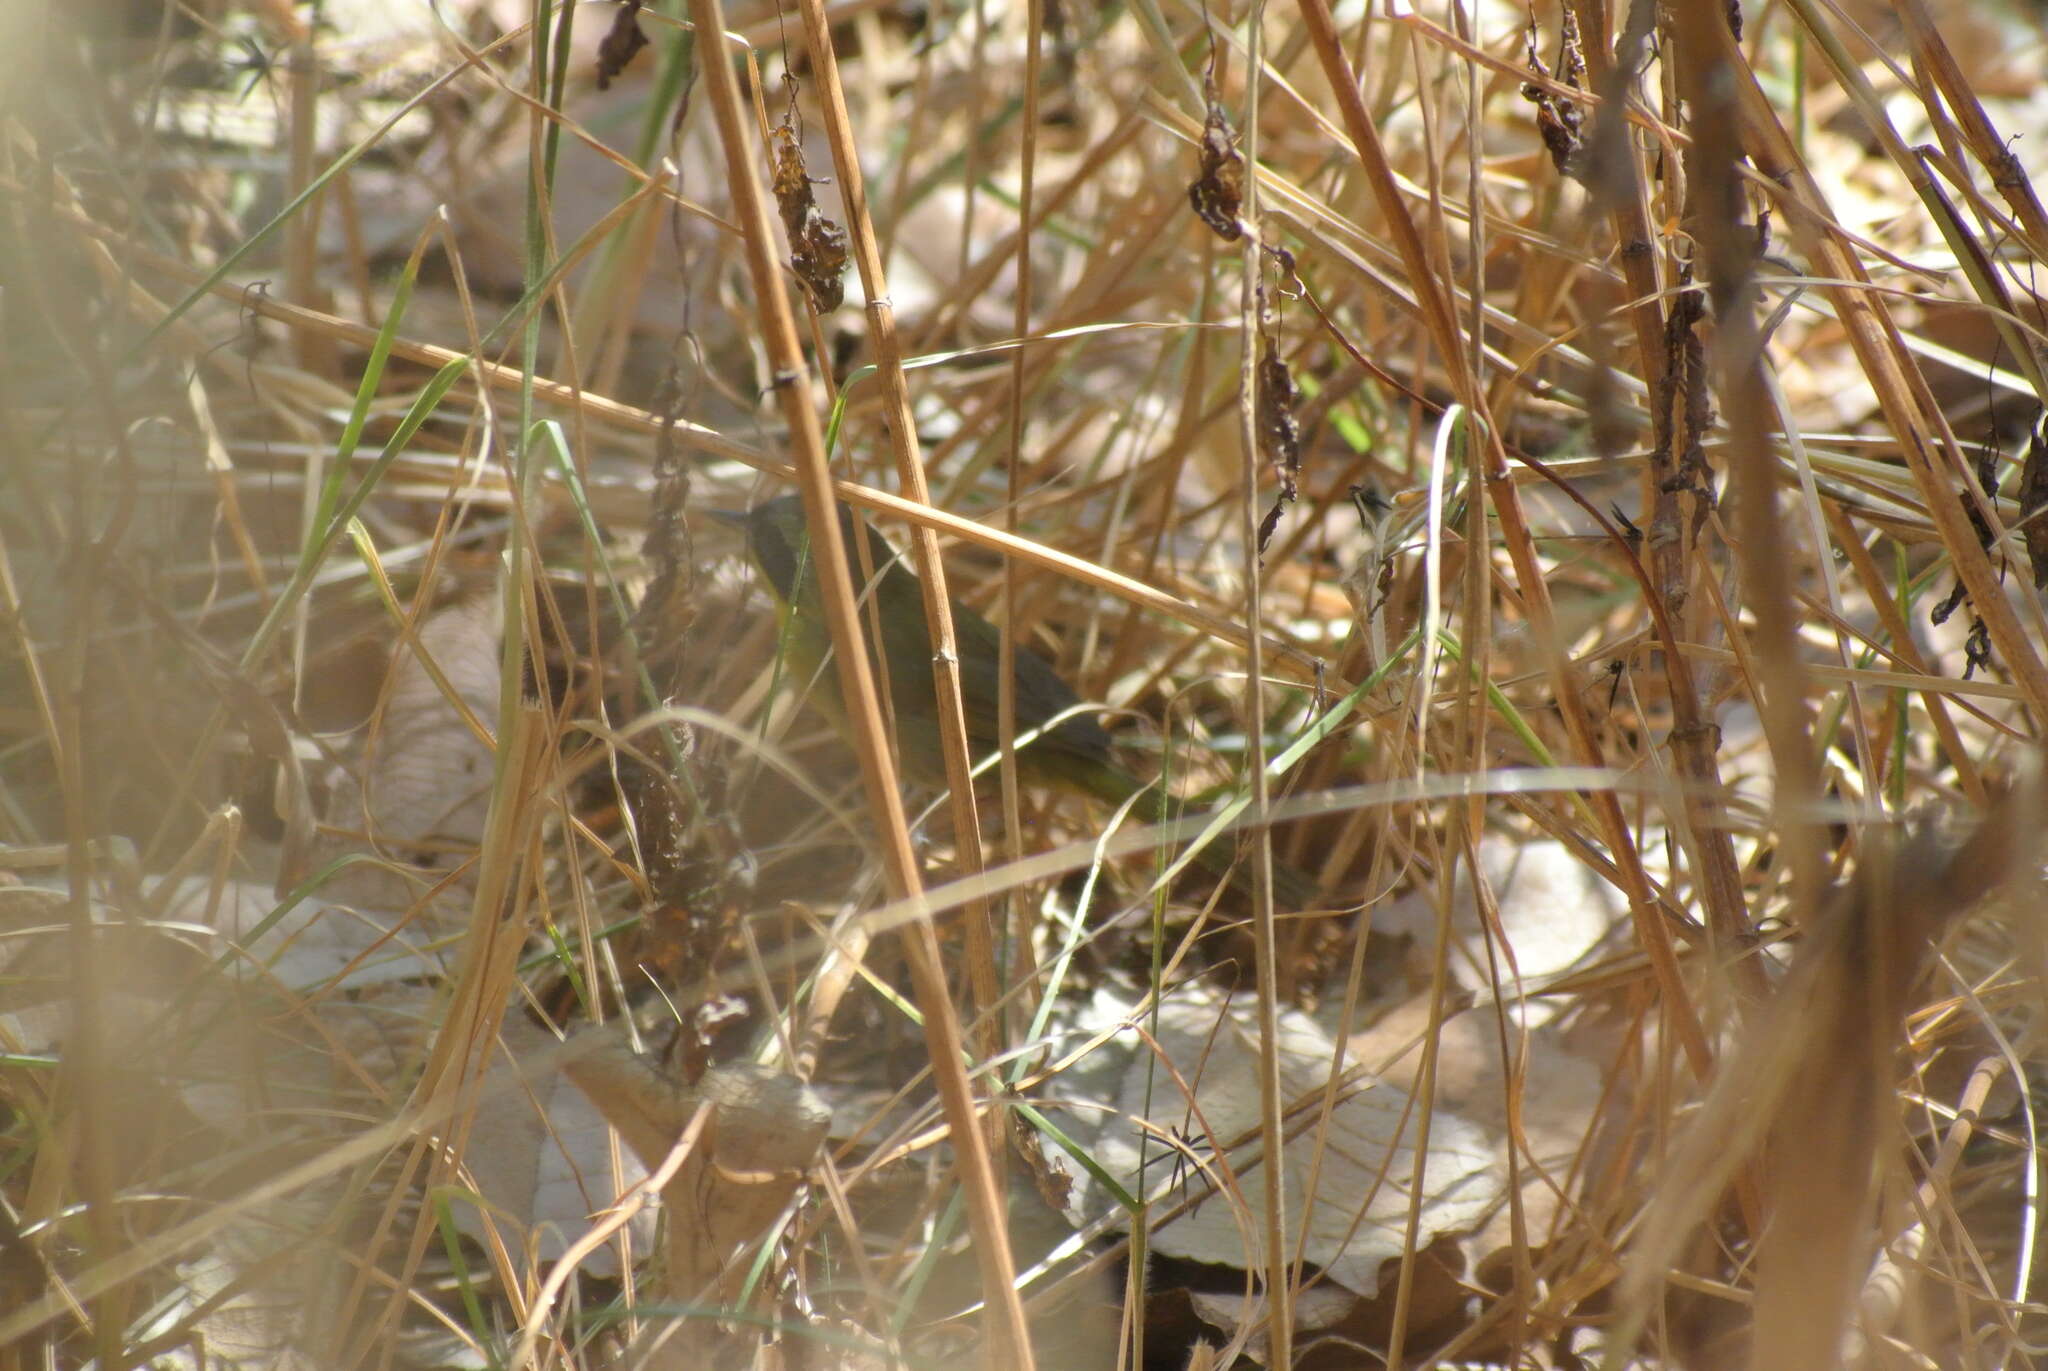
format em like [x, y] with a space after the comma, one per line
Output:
[780, 540]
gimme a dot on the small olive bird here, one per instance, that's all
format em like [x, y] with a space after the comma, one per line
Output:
[1071, 753]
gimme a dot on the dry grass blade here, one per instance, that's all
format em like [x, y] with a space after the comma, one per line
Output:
[1479, 606]
[1808, 1089]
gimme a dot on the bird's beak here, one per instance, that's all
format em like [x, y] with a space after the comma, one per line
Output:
[736, 518]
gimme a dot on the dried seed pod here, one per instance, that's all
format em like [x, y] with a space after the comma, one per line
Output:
[620, 45]
[2033, 498]
[1977, 644]
[1279, 430]
[1559, 120]
[817, 245]
[1218, 193]
[670, 603]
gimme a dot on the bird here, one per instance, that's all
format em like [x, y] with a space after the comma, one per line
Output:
[1071, 753]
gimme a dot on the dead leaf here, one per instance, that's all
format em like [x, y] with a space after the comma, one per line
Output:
[313, 943]
[1362, 1196]
[1236, 1314]
[1279, 426]
[1554, 911]
[429, 775]
[1559, 1094]
[765, 1130]
[541, 1153]
[1559, 120]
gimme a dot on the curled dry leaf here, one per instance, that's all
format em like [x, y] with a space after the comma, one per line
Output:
[1977, 645]
[764, 1130]
[669, 606]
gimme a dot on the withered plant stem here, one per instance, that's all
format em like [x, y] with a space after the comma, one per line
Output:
[1437, 318]
[1619, 186]
[985, 1208]
[901, 428]
[1929, 447]
[1265, 938]
[1727, 250]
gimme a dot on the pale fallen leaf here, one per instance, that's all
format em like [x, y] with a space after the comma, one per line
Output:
[426, 777]
[541, 1153]
[1363, 1190]
[315, 943]
[209, 1069]
[1560, 1095]
[167, 1016]
[1554, 911]
[246, 1313]
[1235, 1314]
